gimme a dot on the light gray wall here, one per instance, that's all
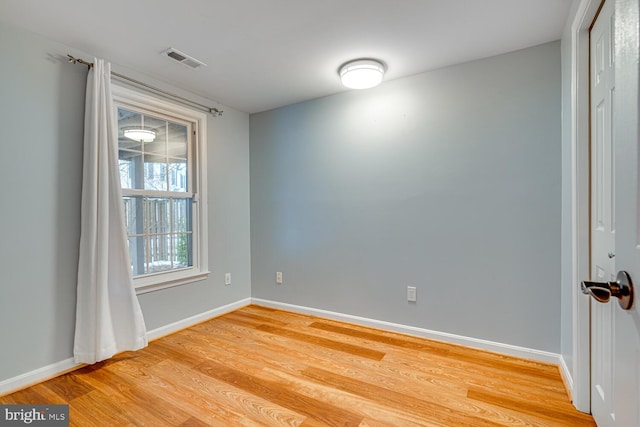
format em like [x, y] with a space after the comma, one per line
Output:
[42, 109]
[447, 180]
[41, 105]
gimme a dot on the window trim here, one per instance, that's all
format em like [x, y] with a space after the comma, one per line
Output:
[126, 97]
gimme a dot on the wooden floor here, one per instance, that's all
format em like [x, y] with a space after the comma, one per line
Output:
[259, 366]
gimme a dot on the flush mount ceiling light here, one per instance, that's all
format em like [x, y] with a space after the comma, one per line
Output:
[361, 74]
[141, 135]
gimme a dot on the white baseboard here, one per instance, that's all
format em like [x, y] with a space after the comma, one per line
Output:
[194, 320]
[37, 376]
[42, 374]
[566, 377]
[507, 349]
[56, 369]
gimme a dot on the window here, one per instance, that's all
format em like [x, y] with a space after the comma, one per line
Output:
[162, 152]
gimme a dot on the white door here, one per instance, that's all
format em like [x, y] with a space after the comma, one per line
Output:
[615, 212]
[627, 212]
[602, 212]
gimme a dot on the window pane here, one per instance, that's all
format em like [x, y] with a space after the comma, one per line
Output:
[182, 215]
[158, 161]
[159, 215]
[177, 175]
[183, 249]
[159, 233]
[178, 140]
[158, 146]
[177, 156]
[155, 173]
[159, 253]
[130, 169]
[134, 216]
[159, 230]
[128, 120]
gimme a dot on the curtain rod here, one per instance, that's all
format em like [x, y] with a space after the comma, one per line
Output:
[211, 110]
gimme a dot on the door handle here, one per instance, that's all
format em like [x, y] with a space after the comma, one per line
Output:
[622, 289]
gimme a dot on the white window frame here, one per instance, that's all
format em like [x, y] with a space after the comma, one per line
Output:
[127, 98]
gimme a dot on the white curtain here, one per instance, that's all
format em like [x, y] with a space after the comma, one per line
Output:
[108, 316]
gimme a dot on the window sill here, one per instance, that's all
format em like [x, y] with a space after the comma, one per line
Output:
[170, 283]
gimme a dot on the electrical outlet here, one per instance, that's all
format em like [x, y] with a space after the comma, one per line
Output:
[412, 294]
[279, 277]
[227, 278]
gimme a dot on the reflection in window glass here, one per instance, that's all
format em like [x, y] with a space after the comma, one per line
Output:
[158, 161]
[182, 253]
[178, 175]
[181, 215]
[154, 174]
[155, 177]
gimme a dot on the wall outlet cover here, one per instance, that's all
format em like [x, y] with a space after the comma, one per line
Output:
[412, 294]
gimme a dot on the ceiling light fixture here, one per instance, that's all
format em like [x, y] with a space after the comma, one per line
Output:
[141, 135]
[362, 73]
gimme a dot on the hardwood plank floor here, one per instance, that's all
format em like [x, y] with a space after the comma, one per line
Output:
[263, 367]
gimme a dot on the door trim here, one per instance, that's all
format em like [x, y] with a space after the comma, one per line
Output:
[580, 204]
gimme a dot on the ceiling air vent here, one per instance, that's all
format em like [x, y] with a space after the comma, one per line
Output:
[183, 58]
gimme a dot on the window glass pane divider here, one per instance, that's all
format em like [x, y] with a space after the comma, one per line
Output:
[169, 233]
[172, 246]
[157, 194]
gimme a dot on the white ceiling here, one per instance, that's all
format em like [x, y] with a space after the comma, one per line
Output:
[263, 54]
